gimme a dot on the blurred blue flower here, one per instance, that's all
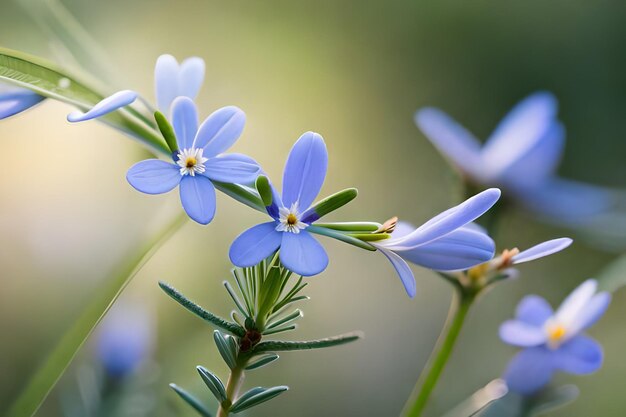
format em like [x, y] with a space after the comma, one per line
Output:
[303, 177]
[14, 100]
[553, 341]
[171, 81]
[198, 160]
[521, 156]
[446, 242]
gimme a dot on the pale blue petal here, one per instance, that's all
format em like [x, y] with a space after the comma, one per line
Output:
[451, 139]
[184, 121]
[533, 310]
[220, 130]
[16, 100]
[166, 82]
[106, 106]
[255, 244]
[543, 249]
[232, 168]
[591, 312]
[153, 176]
[581, 355]
[460, 249]
[529, 371]
[403, 270]
[519, 132]
[305, 171]
[190, 77]
[519, 333]
[197, 195]
[303, 254]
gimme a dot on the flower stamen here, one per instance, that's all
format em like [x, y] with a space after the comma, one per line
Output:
[289, 220]
[191, 161]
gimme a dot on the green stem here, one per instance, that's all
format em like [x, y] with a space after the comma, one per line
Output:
[461, 303]
[235, 380]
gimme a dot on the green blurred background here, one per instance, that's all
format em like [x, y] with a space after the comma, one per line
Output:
[354, 71]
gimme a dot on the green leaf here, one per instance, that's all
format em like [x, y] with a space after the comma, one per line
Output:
[335, 234]
[166, 130]
[226, 349]
[262, 361]
[246, 401]
[265, 190]
[214, 384]
[293, 316]
[335, 201]
[241, 193]
[277, 345]
[478, 401]
[191, 400]
[46, 79]
[60, 357]
[235, 299]
[200, 312]
[613, 276]
[352, 226]
[276, 330]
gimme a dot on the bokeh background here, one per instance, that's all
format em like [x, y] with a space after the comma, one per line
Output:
[355, 71]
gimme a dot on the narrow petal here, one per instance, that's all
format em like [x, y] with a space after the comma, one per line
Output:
[16, 100]
[255, 244]
[533, 310]
[303, 254]
[519, 132]
[166, 82]
[190, 77]
[574, 303]
[581, 355]
[305, 171]
[220, 130]
[543, 249]
[519, 333]
[529, 371]
[185, 121]
[591, 312]
[403, 269]
[232, 168]
[153, 176]
[451, 139]
[197, 195]
[108, 105]
[447, 221]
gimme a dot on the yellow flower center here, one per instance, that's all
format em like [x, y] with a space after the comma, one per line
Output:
[190, 162]
[292, 219]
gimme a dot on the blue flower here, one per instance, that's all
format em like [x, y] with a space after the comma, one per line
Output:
[171, 81]
[446, 242]
[554, 341]
[198, 160]
[14, 100]
[291, 215]
[521, 156]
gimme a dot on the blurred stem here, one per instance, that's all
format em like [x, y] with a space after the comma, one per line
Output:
[461, 303]
[235, 380]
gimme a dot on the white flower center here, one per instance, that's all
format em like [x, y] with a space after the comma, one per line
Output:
[191, 161]
[557, 333]
[289, 220]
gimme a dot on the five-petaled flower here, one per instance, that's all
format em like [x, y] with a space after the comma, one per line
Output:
[291, 215]
[198, 161]
[553, 341]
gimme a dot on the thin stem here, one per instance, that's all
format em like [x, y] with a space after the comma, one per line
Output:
[461, 303]
[235, 380]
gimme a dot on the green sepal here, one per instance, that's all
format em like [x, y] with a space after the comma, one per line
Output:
[256, 396]
[265, 190]
[262, 361]
[202, 313]
[334, 201]
[277, 345]
[268, 295]
[227, 349]
[191, 400]
[352, 226]
[214, 384]
[335, 234]
[241, 193]
[166, 130]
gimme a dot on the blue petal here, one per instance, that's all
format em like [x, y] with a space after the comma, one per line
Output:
[403, 269]
[153, 176]
[302, 254]
[519, 333]
[529, 371]
[451, 139]
[519, 132]
[232, 168]
[533, 310]
[190, 77]
[543, 249]
[106, 106]
[220, 130]
[166, 82]
[197, 195]
[255, 244]
[184, 121]
[581, 355]
[592, 311]
[460, 249]
[305, 171]
[16, 100]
